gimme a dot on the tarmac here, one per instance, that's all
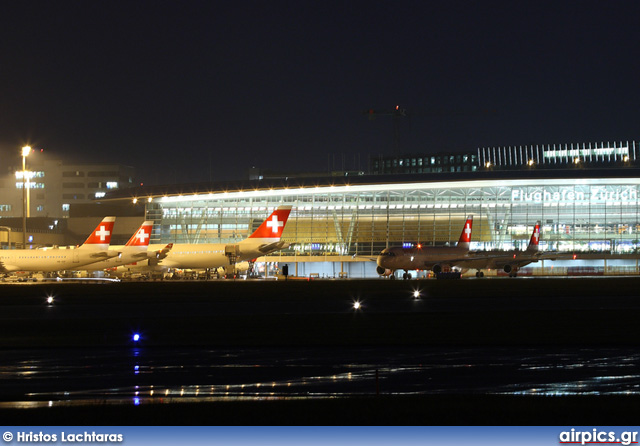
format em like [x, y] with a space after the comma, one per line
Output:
[602, 311]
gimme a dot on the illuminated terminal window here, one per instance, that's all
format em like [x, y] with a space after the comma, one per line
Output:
[30, 185]
[30, 175]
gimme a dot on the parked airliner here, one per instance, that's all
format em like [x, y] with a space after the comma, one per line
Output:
[434, 258]
[94, 249]
[264, 240]
[511, 261]
[508, 261]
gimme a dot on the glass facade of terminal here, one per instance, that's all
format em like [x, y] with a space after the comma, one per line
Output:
[583, 215]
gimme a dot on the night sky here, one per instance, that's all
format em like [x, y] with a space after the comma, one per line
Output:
[193, 90]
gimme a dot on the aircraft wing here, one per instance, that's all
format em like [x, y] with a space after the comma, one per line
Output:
[498, 260]
[161, 254]
[488, 255]
[103, 255]
[271, 247]
[154, 255]
[555, 256]
[451, 262]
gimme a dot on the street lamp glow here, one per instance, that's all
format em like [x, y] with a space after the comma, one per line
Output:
[26, 150]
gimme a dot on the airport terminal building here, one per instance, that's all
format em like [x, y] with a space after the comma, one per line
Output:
[586, 198]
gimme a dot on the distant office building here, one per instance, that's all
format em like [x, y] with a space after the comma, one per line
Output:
[549, 156]
[602, 155]
[55, 185]
[436, 163]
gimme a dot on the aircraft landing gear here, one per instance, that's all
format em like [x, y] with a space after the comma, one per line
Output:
[406, 276]
[479, 274]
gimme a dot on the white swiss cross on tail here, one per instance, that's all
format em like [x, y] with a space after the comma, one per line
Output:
[102, 234]
[535, 238]
[273, 226]
[465, 237]
[142, 235]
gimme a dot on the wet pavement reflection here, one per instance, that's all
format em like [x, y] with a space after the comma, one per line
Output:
[30, 378]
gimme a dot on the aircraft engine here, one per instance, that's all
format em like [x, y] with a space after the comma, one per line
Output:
[507, 268]
[383, 272]
[437, 269]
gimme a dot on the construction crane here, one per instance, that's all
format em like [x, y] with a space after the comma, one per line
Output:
[396, 114]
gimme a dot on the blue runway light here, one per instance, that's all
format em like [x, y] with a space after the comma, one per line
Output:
[136, 337]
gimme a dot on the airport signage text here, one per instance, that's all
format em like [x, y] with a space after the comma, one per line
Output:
[595, 194]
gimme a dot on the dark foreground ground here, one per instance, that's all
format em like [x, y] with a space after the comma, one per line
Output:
[503, 312]
[433, 410]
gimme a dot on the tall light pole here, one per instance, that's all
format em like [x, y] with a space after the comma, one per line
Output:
[26, 150]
